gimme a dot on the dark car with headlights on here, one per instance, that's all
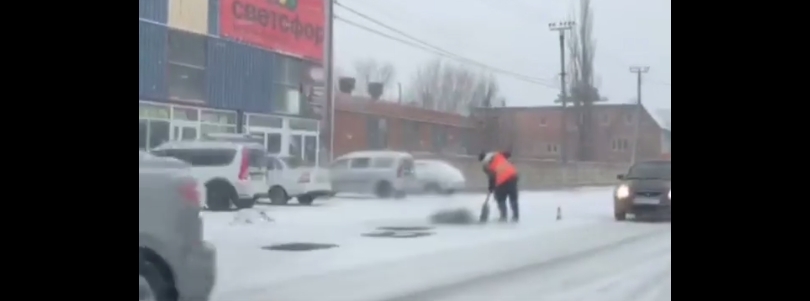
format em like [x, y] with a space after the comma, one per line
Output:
[646, 190]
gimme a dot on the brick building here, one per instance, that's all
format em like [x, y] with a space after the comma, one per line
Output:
[361, 123]
[536, 132]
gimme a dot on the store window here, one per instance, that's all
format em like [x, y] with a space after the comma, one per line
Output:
[295, 146]
[186, 69]
[186, 114]
[311, 149]
[286, 91]
[304, 125]
[274, 143]
[152, 133]
[265, 121]
[217, 122]
[153, 125]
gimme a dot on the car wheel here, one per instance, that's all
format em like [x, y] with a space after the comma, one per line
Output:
[620, 216]
[278, 196]
[305, 200]
[433, 188]
[152, 286]
[384, 190]
[449, 192]
[219, 196]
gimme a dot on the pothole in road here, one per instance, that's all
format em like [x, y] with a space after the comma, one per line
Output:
[395, 234]
[405, 228]
[400, 232]
[299, 247]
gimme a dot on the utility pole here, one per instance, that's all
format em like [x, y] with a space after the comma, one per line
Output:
[638, 70]
[330, 74]
[562, 27]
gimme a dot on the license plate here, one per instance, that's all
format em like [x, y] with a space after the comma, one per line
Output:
[647, 201]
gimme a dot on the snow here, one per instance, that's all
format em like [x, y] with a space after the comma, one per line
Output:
[373, 269]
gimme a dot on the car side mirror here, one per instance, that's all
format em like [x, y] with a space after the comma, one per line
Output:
[620, 177]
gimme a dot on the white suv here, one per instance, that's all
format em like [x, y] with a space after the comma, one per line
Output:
[234, 173]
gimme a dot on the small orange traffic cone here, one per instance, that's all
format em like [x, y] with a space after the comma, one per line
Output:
[559, 212]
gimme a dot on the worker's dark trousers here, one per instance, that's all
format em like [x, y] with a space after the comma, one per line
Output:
[508, 189]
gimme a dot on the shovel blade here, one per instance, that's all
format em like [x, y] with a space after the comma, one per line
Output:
[484, 214]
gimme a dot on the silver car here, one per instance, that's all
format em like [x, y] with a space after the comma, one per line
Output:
[174, 263]
[382, 173]
[438, 177]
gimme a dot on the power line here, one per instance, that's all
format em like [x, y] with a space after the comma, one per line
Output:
[420, 44]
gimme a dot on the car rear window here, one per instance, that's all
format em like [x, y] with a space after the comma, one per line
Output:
[199, 157]
[651, 170]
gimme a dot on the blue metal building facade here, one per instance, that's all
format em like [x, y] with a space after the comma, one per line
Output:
[240, 77]
[152, 60]
[155, 10]
[213, 17]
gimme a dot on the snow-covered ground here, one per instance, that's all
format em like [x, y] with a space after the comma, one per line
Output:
[436, 266]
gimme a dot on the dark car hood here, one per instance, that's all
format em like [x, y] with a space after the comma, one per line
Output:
[650, 185]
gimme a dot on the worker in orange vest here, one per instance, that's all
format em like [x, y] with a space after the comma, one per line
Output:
[503, 181]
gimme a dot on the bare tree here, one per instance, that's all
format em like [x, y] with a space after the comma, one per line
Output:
[449, 87]
[372, 71]
[583, 91]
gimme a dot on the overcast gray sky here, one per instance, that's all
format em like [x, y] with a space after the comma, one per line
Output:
[514, 35]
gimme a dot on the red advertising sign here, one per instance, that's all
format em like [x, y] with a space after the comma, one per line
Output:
[294, 27]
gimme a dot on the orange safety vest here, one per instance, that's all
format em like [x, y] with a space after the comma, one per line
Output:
[504, 170]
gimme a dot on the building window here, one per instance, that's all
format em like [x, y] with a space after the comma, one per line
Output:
[552, 148]
[620, 145]
[605, 119]
[628, 118]
[542, 121]
[287, 76]
[187, 56]
[377, 130]
[217, 122]
[468, 140]
[304, 125]
[153, 125]
[439, 138]
[411, 135]
[186, 83]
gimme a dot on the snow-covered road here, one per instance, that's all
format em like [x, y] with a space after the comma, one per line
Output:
[585, 256]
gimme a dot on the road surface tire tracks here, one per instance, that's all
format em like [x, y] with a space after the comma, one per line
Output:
[438, 292]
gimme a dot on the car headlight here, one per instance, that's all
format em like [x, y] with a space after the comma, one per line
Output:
[669, 195]
[622, 192]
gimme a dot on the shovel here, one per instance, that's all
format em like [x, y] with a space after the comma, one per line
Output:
[485, 210]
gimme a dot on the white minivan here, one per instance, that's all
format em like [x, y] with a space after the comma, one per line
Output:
[382, 173]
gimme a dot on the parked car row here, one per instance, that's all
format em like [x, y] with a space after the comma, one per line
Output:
[237, 173]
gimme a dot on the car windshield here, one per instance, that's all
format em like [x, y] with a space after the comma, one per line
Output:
[651, 170]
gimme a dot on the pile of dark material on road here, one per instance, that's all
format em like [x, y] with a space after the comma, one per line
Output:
[460, 216]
